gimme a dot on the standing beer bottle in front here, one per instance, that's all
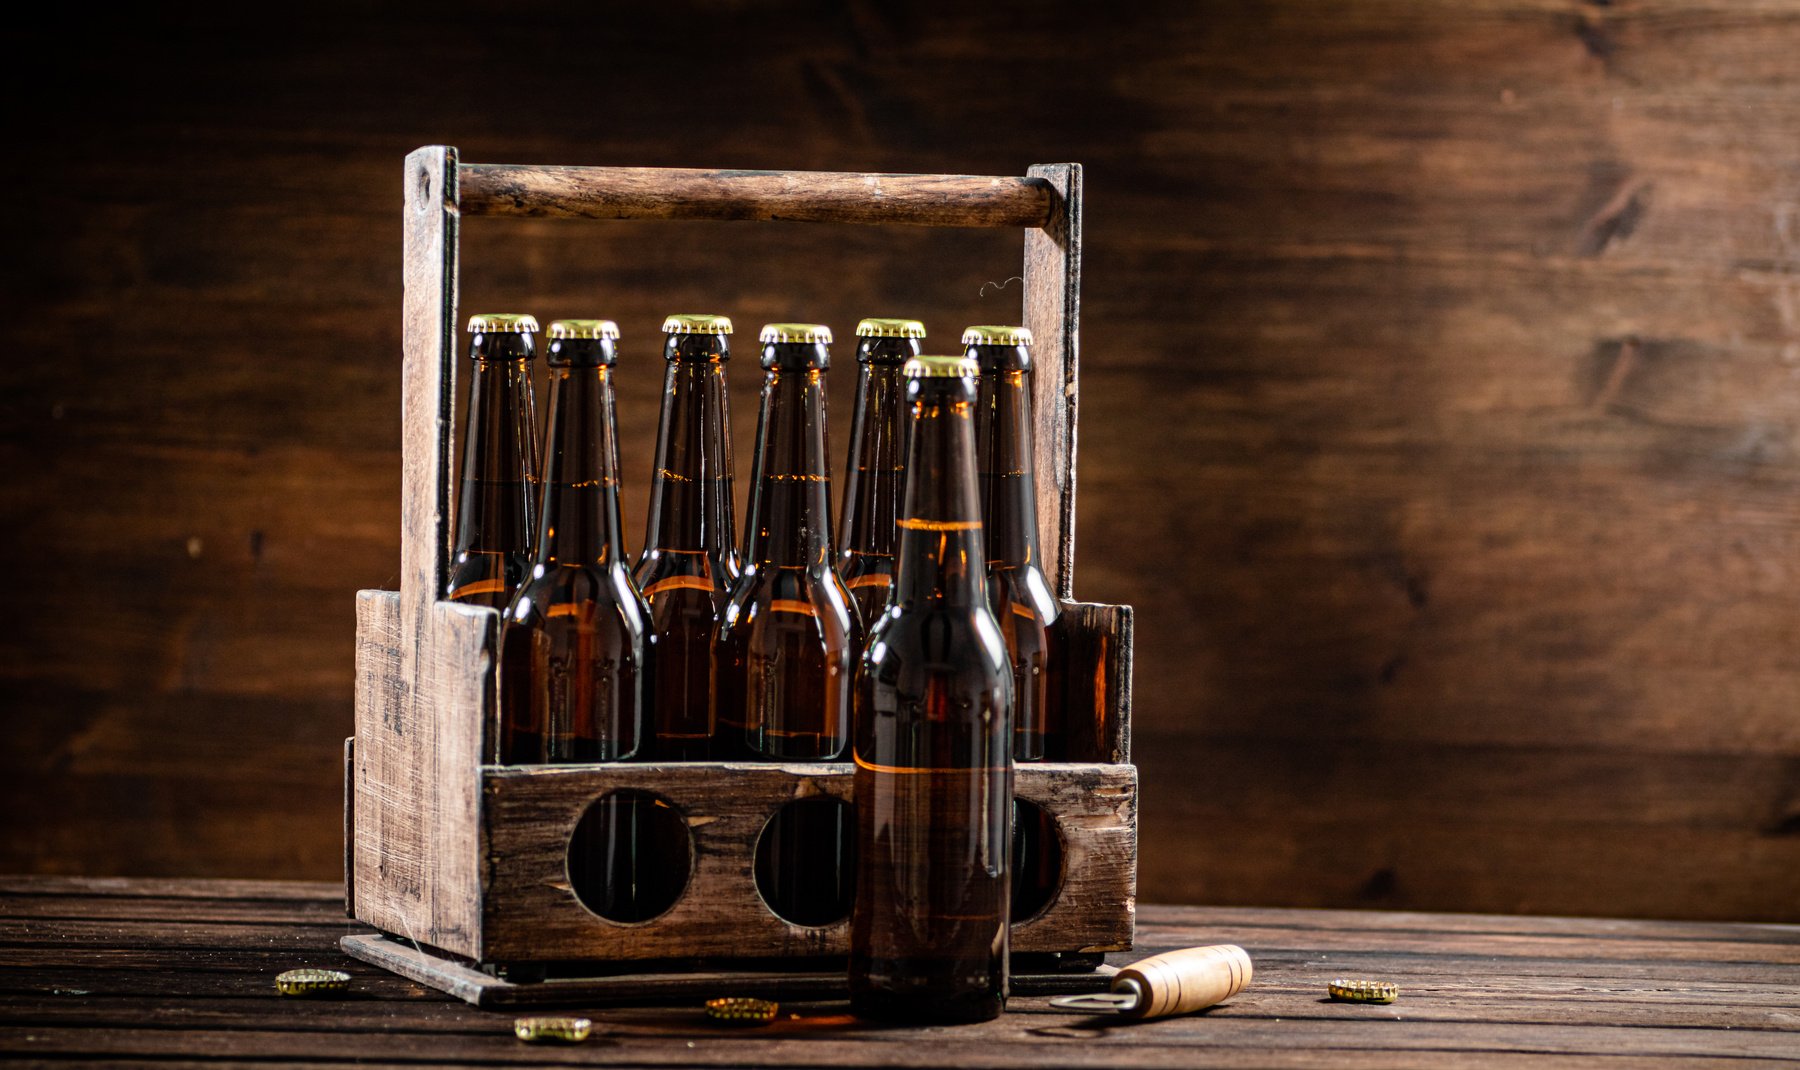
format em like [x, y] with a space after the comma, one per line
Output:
[877, 461]
[494, 514]
[928, 935]
[689, 561]
[574, 641]
[1023, 602]
[788, 640]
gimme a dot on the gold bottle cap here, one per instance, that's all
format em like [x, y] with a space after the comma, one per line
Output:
[941, 368]
[795, 332]
[583, 329]
[878, 328]
[311, 982]
[502, 323]
[741, 1010]
[992, 335]
[697, 323]
[1353, 991]
[552, 1030]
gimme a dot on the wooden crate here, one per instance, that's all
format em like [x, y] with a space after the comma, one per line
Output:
[463, 861]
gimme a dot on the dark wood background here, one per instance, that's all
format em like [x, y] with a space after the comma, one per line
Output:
[1441, 383]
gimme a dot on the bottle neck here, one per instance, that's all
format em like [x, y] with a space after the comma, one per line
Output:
[690, 490]
[790, 509]
[872, 485]
[499, 459]
[941, 560]
[1008, 474]
[581, 472]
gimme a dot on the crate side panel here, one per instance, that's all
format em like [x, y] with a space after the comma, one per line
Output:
[1095, 807]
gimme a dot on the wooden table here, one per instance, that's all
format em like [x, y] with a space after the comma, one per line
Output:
[183, 971]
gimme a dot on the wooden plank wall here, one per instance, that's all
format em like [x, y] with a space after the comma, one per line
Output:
[1439, 401]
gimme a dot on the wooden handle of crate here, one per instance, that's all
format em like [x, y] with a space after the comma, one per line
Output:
[800, 196]
[1178, 982]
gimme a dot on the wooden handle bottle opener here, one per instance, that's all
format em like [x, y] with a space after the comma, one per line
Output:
[1174, 982]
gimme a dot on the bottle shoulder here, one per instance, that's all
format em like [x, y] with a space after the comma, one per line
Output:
[1023, 588]
[961, 639]
[815, 592]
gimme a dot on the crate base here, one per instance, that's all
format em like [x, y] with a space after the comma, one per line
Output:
[473, 985]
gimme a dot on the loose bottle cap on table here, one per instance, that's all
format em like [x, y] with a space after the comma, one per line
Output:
[552, 1030]
[311, 982]
[941, 368]
[502, 323]
[992, 335]
[697, 323]
[795, 332]
[583, 329]
[1352, 991]
[877, 328]
[741, 1010]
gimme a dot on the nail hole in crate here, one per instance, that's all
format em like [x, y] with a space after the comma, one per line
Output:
[630, 856]
[806, 861]
[1037, 860]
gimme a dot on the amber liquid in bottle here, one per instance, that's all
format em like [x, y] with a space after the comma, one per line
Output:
[928, 935]
[496, 510]
[573, 644]
[689, 562]
[1026, 608]
[872, 484]
[788, 639]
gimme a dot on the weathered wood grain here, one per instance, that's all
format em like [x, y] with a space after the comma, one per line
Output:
[1052, 309]
[790, 196]
[530, 913]
[1477, 990]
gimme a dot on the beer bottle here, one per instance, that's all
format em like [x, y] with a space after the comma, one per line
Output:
[494, 516]
[877, 461]
[928, 934]
[788, 639]
[689, 561]
[1021, 597]
[573, 642]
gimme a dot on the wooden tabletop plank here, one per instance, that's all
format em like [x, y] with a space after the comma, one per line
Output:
[167, 971]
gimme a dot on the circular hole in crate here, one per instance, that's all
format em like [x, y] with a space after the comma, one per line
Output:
[1037, 860]
[806, 861]
[630, 856]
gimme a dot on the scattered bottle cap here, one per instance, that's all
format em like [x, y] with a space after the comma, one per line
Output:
[1353, 991]
[1174, 982]
[552, 1030]
[311, 982]
[741, 1010]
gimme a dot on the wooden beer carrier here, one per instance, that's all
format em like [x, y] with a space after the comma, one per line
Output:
[462, 864]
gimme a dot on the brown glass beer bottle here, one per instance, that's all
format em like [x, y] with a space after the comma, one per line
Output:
[1023, 602]
[788, 638]
[928, 934]
[689, 561]
[495, 514]
[877, 461]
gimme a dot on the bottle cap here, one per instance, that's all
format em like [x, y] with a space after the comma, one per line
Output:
[795, 332]
[502, 323]
[992, 335]
[697, 323]
[552, 1030]
[878, 328]
[311, 982]
[741, 1010]
[941, 368]
[1357, 991]
[583, 329]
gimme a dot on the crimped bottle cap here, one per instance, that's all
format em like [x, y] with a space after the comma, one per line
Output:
[992, 335]
[879, 328]
[941, 368]
[502, 323]
[583, 329]
[795, 332]
[552, 1030]
[697, 323]
[311, 982]
[742, 1010]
